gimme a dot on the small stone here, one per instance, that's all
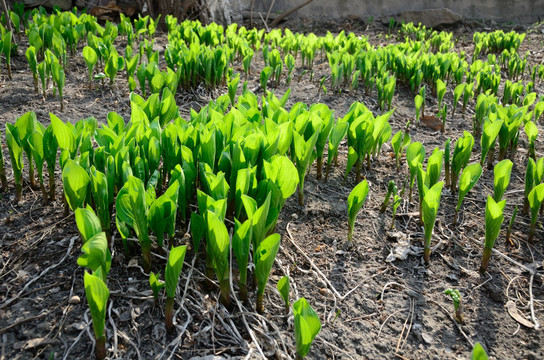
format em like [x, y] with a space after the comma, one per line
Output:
[74, 300]
[294, 216]
[324, 291]
[427, 338]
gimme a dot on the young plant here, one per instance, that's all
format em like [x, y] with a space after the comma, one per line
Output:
[171, 278]
[307, 326]
[397, 199]
[90, 57]
[457, 303]
[3, 178]
[284, 289]
[264, 259]
[218, 242]
[33, 65]
[431, 202]
[6, 49]
[338, 133]
[131, 206]
[399, 142]
[156, 285]
[241, 241]
[303, 155]
[97, 294]
[75, 182]
[391, 189]
[59, 78]
[356, 199]
[460, 158]
[440, 92]
[478, 352]
[536, 196]
[457, 92]
[501, 172]
[468, 179]
[265, 75]
[16, 156]
[489, 136]
[511, 224]
[493, 221]
[418, 100]
[532, 133]
[415, 154]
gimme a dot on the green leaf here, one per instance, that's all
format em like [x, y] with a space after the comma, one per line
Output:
[75, 181]
[535, 198]
[493, 220]
[173, 269]
[431, 203]
[161, 215]
[461, 152]
[356, 199]
[218, 245]
[241, 241]
[66, 138]
[489, 136]
[264, 259]
[96, 255]
[307, 326]
[478, 352]
[284, 289]
[198, 228]
[501, 172]
[156, 284]
[131, 206]
[87, 222]
[97, 295]
[468, 179]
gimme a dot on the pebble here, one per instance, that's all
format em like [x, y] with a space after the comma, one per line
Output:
[294, 216]
[427, 338]
[74, 300]
[324, 291]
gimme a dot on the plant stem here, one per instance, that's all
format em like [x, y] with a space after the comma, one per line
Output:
[531, 233]
[52, 185]
[243, 291]
[485, 259]
[259, 306]
[100, 350]
[44, 193]
[319, 168]
[300, 195]
[426, 254]
[169, 314]
[146, 255]
[224, 287]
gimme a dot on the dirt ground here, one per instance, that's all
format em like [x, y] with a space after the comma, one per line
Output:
[372, 305]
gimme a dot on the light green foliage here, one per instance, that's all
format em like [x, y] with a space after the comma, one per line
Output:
[460, 157]
[431, 203]
[356, 199]
[76, 181]
[468, 179]
[415, 154]
[478, 352]
[307, 326]
[97, 295]
[156, 285]
[264, 259]
[501, 172]
[173, 269]
[399, 142]
[284, 289]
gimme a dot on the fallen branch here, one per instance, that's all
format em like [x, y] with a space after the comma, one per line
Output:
[289, 12]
